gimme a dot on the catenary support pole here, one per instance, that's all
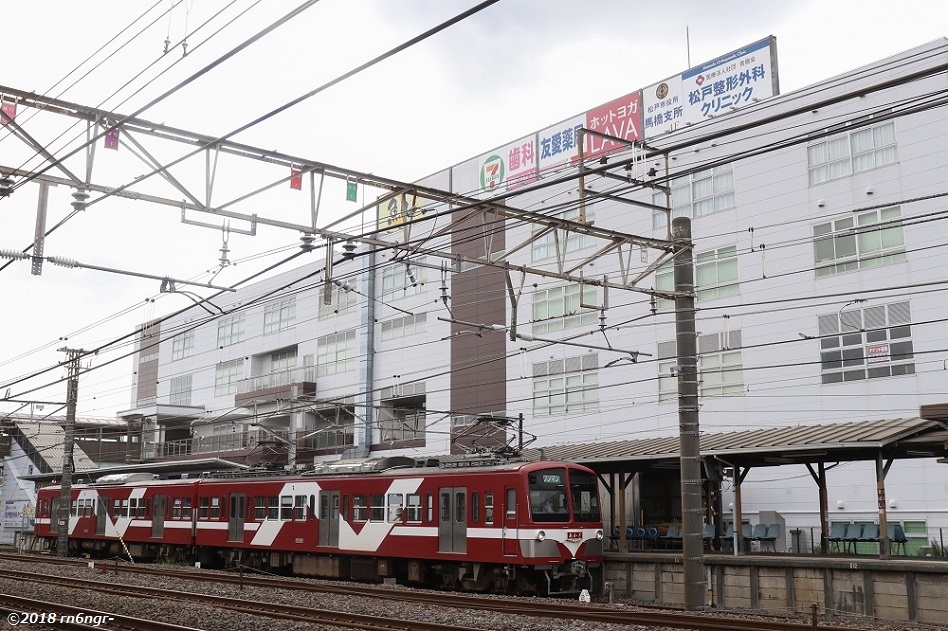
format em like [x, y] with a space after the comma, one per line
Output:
[72, 396]
[691, 508]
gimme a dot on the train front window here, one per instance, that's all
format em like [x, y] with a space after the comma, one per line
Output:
[584, 496]
[548, 495]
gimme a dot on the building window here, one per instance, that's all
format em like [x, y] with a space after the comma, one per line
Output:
[279, 316]
[404, 326]
[868, 343]
[230, 330]
[665, 281]
[851, 152]
[559, 308]
[696, 195]
[716, 273]
[283, 360]
[336, 353]
[181, 390]
[401, 279]
[567, 385]
[227, 376]
[402, 418]
[343, 300]
[716, 276]
[719, 364]
[720, 368]
[182, 345]
[869, 239]
[551, 244]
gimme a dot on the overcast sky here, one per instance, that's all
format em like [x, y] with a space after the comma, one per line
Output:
[508, 71]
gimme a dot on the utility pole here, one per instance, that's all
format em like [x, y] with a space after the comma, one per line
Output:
[72, 396]
[690, 450]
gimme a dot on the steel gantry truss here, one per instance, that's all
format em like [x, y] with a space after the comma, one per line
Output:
[203, 153]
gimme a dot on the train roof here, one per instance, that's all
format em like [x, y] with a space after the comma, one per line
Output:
[399, 466]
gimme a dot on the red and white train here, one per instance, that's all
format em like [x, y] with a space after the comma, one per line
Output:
[523, 527]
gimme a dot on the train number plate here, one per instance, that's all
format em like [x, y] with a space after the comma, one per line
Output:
[574, 536]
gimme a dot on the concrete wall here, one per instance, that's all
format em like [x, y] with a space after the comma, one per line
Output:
[901, 591]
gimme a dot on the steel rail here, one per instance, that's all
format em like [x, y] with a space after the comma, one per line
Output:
[253, 607]
[706, 620]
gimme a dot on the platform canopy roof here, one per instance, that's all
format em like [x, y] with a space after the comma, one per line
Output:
[864, 440]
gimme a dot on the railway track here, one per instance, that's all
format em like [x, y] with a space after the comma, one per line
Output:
[527, 607]
[36, 614]
[259, 608]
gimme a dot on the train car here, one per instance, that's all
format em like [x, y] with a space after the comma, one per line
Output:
[522, 527]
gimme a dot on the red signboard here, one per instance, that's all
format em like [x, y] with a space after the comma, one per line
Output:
[621, 118]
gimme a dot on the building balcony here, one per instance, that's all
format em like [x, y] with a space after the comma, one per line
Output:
[241, 443]
[276, 385]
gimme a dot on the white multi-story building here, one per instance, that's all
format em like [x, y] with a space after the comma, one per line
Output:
[817, 219]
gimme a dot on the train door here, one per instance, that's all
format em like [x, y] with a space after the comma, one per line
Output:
[235, 518]
[101, 514]
[329, 519]
[510, 531]
[158, 517]
[452, 522]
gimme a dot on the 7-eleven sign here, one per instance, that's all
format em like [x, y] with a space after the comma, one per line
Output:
[492, 172]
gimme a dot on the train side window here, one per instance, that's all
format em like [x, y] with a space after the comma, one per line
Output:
[511, 507]
[345, 508]
[259, 508]
[413, 505]
[377, 507]
[299, 508]
[395, 507]
[204, 504]
[488, 508]
[186, 509]
[142, 502]
[215, 508]
[430, 508]
[115, 508]
[359, 507]
[286, 507]
[175, 508]
[124, 508]
[74, 510]
[312, 507]
[133, 507]
[273, 507]
[475, 507]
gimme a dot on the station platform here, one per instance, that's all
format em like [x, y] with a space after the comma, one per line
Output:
[898, 589]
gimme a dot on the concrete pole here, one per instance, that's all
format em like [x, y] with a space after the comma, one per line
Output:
[690, 456]
[72, 395]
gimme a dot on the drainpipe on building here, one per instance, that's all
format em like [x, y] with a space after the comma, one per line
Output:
[365, 399]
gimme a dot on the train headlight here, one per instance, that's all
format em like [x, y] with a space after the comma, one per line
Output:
[541, 536]
[599, 535]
